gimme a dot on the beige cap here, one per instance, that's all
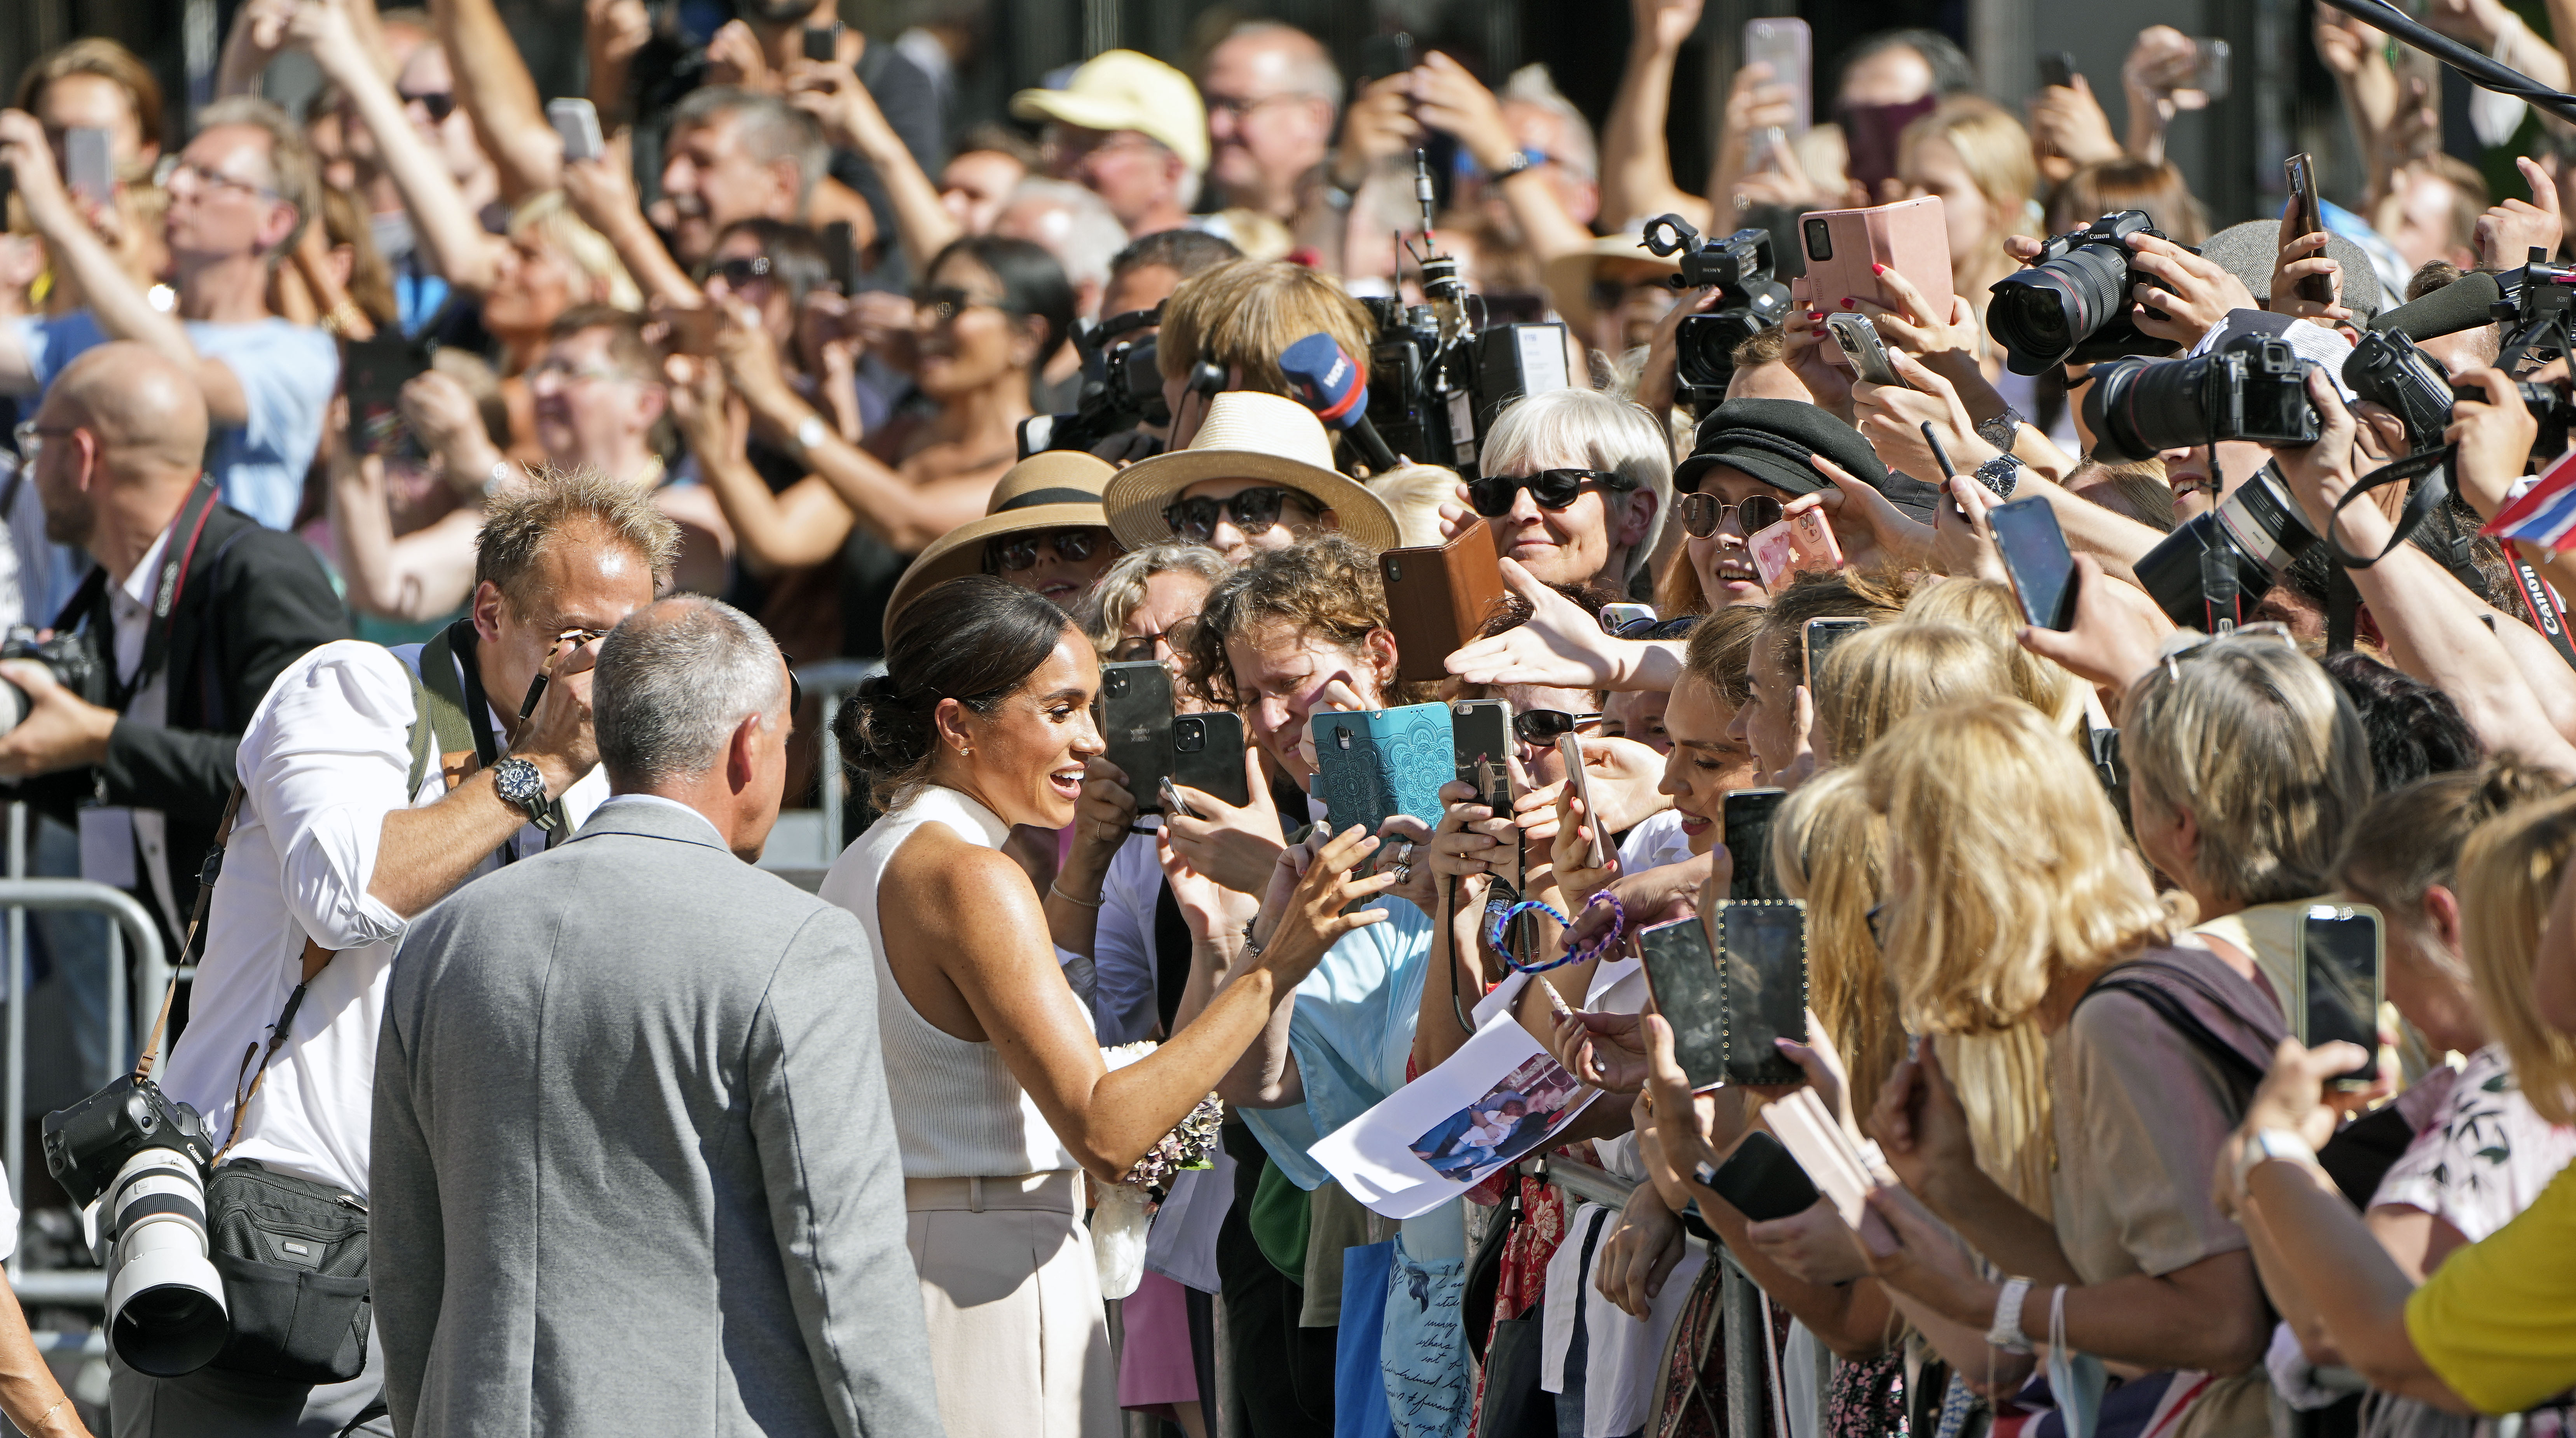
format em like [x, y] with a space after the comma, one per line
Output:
[1248, 435]
[1122, 90]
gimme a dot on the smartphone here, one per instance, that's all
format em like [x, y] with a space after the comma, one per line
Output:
[2057, 67]
[1207, 755]
[1762, 981]
[1136, 724]
[1858, 339]
[89, 164]
[841, 247]
[2208, 83]
[2307, 217]
[1570, 749]
[2342, 973]
[692, 330]
[1784, 44]
[1372, 766]
[1803, 542]
[1761, 1180]
[1681, 973]
[1480, 731]
[2037, 561]
[1744, 826]
[1909, 237]
[1384, 55]
[823, 43]
[1438, 597]
[577, 122]
[1821, 635]
[375, 372]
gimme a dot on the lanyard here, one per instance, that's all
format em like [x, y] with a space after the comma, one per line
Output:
[167, 585]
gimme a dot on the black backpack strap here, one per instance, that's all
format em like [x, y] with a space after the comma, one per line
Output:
[2127, 980]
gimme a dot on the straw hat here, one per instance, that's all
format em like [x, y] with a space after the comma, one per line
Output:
[1569, 277]
[1248, 435]
[1122, 90]
[1059, 489]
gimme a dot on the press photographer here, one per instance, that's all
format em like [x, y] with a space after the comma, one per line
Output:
[127, 723]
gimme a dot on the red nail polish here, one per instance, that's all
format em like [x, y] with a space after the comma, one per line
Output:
[1849, 303]
[1877, 269]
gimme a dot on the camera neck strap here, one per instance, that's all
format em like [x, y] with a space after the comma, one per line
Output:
[206, 875]
[2431, 468]
[169, 581]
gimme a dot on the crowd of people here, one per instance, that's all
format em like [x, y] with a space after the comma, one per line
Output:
[415, 501]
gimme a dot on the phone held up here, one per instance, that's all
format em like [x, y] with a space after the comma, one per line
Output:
[1762, 981]
[1744, 826]
[2307, 217]
[576, 122]
[2037, 561]
[1821, 635]
[1570, 749]
[2342, 975]
[823, 43]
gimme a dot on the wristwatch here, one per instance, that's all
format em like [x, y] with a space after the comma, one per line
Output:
[1999, 429]
[2268, 1144]
[2002, 474]
[2005, 1332]
[517, 781]
[810, 431]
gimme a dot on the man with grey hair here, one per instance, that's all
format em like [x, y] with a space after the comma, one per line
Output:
[1272, 96]
[1078, 228]
[634, 1154]
[737, 154]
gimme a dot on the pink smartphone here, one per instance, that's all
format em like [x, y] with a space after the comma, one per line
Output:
[1909, 237]
[1800, 543]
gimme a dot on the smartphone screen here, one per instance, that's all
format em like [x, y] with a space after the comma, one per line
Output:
[2307, 218]
[2340, 982]
[1745, 828]
[1682, 975]
[1821, 636]
[89, 163]
[577, 121]
[823, 43]
[2057, 68]
[1762, 975]
[374, 373]
[2037, 561]
[841, 247]
[1761, 1180]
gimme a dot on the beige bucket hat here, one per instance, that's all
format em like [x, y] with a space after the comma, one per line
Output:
[1248, 435]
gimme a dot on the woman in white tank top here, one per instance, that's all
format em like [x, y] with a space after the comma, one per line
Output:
[983, 721]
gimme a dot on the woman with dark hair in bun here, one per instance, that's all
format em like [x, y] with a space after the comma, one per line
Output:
[982, 721]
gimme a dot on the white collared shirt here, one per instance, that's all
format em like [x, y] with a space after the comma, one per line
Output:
[323, 760]
[110, 835]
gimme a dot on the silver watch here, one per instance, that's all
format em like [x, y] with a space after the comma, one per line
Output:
[2268, 1144]
[2001, 474]
[518, 782]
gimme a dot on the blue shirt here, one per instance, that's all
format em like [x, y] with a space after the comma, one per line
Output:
[287, 373]
[1352, 1034]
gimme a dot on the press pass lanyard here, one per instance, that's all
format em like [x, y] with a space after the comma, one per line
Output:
[167, 584]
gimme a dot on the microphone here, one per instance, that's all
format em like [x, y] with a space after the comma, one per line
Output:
[2460, 305]
[1335, 386]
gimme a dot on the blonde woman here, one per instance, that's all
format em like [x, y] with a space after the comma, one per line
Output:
[1988, 607]
[2013, 898]
[2493, 1330]
[1145, 598]
[1874, 679]
[1976, 157]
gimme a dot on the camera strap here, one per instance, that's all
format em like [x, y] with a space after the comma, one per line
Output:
[167, 585]
[2543, 608]
[2343, 600]
[206, 874]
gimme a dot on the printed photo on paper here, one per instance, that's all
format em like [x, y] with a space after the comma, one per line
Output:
[1516, 1115]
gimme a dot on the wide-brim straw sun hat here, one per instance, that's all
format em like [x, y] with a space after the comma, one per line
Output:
[1266, 438]
[1059, 489]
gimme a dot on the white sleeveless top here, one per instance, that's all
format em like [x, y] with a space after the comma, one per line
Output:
[958, 1113]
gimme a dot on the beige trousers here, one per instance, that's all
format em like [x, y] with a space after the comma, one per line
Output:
[1019, 1343]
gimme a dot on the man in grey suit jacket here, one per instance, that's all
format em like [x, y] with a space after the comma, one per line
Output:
[634, 1168]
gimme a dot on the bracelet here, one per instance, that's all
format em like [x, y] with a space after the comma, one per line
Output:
[1521, 162]
[2005, 1331]
[1058, 891]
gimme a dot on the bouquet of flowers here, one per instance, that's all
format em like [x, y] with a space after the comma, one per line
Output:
[1126, 1211]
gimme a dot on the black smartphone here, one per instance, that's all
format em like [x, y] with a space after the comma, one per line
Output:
[1744, 826]
[1761, 1180]
[2307, 217]
[376, 371]
[1136, 724]
[2341, 975]
[1481, 732]
[823, 43]
[2036, 560]
[841, 247]
[2057, 67]
[1762, 977]
[1207, 755]
[1384, 55]
[1821, 635]
[1682, 975]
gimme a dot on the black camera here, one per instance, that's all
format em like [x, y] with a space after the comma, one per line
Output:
[71, 658]
[2390, 370]
[2254, 387]
[2072, 306]
[148, 1157]
[2242, 548]
[1749, 301]
[87, 1143]
[1122, 386]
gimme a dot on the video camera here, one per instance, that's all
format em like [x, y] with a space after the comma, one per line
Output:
[1435, 379]
[2071, 306]
[1750, 301]
[1122, 387]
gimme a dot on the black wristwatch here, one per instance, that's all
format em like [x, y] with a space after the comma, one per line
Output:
[2001, 474]
[517, 781]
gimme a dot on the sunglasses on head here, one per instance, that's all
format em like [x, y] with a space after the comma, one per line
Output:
[1703, 513]
[1012, 553]
[1552, 488]
[1253, 511]
[1678, 627]
[1546, 726]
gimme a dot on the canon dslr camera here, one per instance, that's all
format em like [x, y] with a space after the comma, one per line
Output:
[148, 1157]
[2072, 305]
[74, 663]
[2254, 387]
[1749, 300]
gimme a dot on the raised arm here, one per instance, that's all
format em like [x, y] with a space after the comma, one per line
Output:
[850, 118]
[413, 577]
[602, 192]
[1448, 98]
[1636, 164]
[493, 84]
[801, 525]
[904, 515]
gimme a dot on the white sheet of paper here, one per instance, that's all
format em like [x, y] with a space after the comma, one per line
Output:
[1459, 1114]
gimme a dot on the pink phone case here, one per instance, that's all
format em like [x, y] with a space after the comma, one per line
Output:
[1800, 543]
[1909, 237]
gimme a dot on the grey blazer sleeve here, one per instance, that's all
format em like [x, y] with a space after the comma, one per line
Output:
[407, 1276]
[828, 1158]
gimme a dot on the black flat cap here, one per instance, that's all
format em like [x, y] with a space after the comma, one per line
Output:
[1772, 440]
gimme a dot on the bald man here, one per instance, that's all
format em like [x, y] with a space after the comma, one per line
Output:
[1272, 95]
[190, 608]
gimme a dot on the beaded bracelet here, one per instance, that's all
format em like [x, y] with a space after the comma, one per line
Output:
[1598, 947]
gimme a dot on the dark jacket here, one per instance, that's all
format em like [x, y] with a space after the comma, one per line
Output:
[253, 601]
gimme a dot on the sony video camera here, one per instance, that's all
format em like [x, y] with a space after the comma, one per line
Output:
[148, 1157]
[2072, 305]
[1436, 379]
[1749, 301]
[69, 655]
[1122, 386]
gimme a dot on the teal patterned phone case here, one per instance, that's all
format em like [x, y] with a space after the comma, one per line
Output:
[1383, 762]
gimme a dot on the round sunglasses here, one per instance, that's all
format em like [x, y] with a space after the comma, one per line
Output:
[1552, 488]
[1253, 511]
[1013, 553]
[1703, 513]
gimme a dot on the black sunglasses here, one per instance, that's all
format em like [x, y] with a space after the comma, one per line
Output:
[439, 103]
[1678, 627]
[1546, 726]
[1252, 510]
[1703, 513]
[1011, 553]
[1876, 918]
[1552, 488]
[742, 270]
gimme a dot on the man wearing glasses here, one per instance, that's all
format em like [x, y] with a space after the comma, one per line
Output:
[240, 194]
[1272, 96]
